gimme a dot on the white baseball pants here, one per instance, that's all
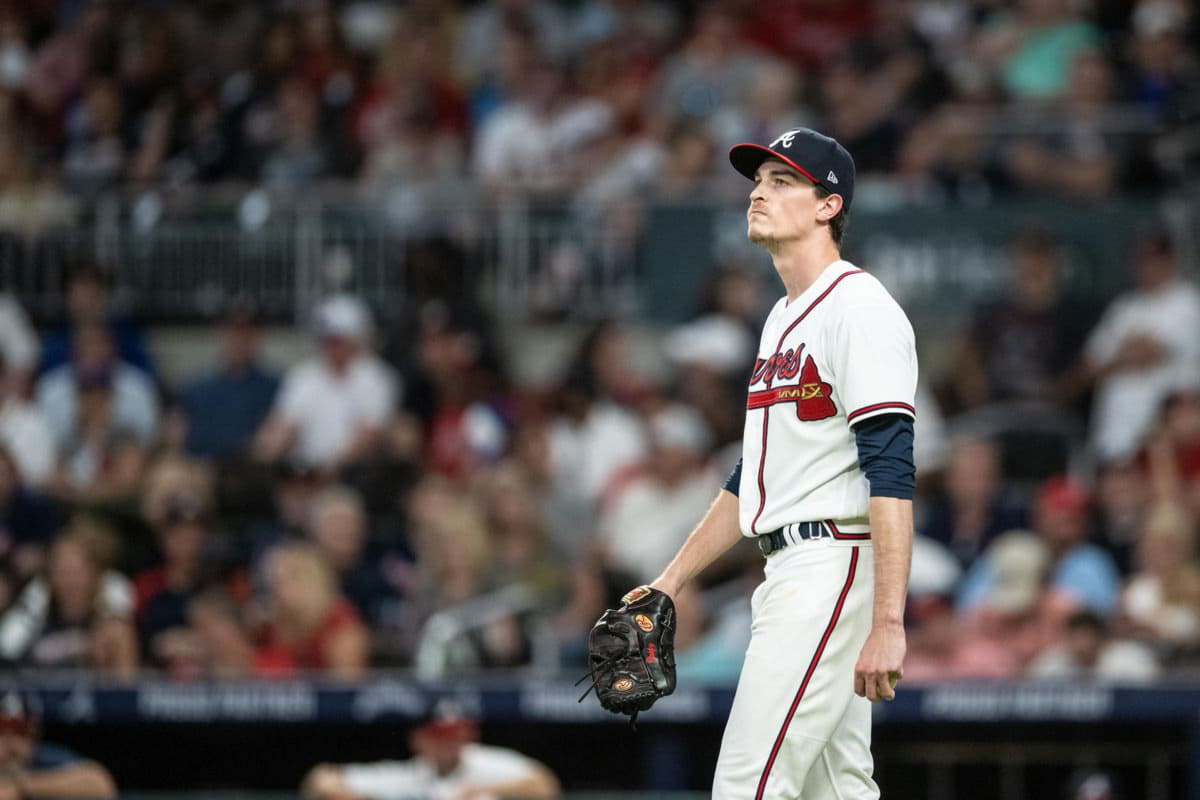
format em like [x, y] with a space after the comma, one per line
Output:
[796, 730]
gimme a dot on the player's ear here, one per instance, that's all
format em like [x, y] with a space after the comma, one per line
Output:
[829, 207]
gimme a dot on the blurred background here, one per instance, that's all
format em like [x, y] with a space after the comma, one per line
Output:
[358, 354]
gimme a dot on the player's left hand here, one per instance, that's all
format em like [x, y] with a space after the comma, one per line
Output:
[881, 663]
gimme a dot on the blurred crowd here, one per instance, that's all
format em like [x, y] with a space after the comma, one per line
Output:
[403, 497]
[601, 102]
[398, 498]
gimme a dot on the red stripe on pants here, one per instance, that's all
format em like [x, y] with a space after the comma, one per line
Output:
[812, 667]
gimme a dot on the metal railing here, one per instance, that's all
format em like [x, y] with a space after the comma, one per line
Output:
[529, 261]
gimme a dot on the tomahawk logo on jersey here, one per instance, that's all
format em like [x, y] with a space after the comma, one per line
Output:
[841, 353]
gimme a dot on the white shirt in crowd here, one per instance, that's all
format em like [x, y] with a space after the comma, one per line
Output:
[26, 435]
[25, 620]
[134, 402]
[587, 455]
[416, 779]
[329, 409]
[523, 145]
[1120, 661]
[18, 339]
[648, 522]
[1127, 403]
[1144, 603]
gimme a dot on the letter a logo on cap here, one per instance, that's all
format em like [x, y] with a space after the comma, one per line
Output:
[831, 177]
[785, 139]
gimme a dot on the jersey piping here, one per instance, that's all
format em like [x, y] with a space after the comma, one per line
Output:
[871, 409]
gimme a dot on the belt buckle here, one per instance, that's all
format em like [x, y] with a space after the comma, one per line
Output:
[765, 546]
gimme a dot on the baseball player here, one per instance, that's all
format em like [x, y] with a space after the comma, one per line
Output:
[825, 488]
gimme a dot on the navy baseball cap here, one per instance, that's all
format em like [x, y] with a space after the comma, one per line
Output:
[818, 157]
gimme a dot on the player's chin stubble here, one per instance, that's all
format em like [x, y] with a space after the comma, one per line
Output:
[756, 236]
[763, 240]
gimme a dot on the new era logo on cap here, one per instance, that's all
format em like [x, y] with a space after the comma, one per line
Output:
[806, 151]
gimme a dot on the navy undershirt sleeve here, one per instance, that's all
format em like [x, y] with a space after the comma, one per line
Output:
[734, 480]
[885, 454]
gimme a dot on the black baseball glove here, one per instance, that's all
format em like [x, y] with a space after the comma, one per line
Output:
[631, 652]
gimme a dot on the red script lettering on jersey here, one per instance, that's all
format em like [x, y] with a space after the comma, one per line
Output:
[780, 365]
[812, 396]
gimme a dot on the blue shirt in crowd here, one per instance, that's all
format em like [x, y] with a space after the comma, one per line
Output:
[1087, 573]
[226, 408]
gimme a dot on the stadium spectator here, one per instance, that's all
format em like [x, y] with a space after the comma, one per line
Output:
[101, 459]
[942, 648]
[1013, 610]
[412, 120]
[561, 505]
[972, 508]
[808, 32]
[33, 768]
[1019, 346]
[190, 560]
[248, 98]
[685, 171]
[1171, 457]
[710, 355]
[1162, 69]
[78, 614]
[18, 345]
[225, 407]
[24, 430]
[536, 142]
[1090, 653]
[309, 625]
[1162, 599]
[294, 488]
[295, 155]
[1146, 344]
[513, 64]
[96, 151]
[89, 303]
[773, 105]
[596, 436]
[639, 29]
[216, 644]
[448, 762]
[1122, 499]
[478, 47]
[332, 408]
[648, 515]
[28, 521]
[31, 203]
[1080, 575]
[1070, 152]
[712, 70]
[1032, 46]
[338, 526]
[517, 534]
[457, 392]
[861, 108]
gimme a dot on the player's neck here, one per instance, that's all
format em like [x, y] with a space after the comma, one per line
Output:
[800, 262]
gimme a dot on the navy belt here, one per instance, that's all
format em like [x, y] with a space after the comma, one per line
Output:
[790, 534]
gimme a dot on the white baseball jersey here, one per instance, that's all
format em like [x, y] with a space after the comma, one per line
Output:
[840, 353]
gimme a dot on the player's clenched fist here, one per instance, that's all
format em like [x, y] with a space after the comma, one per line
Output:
[881, 663]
